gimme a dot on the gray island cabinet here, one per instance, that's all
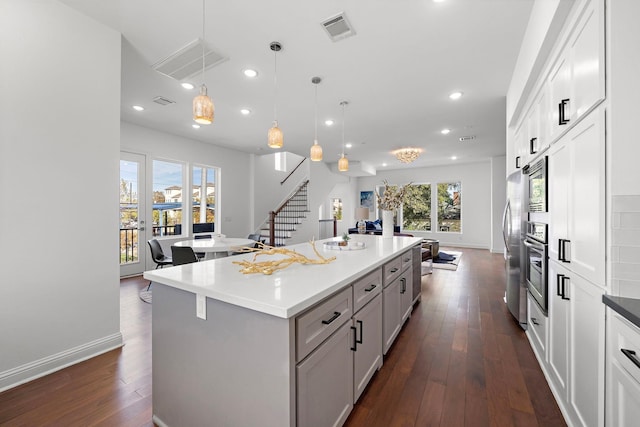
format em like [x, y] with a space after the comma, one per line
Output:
[295, 348]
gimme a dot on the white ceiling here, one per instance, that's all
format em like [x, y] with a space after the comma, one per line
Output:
[396, 72]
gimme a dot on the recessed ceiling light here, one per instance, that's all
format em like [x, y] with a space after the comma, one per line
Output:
[454, 158]
[456, 95]
[138, 108]
[250, 73]
[328, 122]
[445, 131]
[187, 85]
[195, 126]
[348, 145]
[438, 1]
[245, 111]
[384, 165]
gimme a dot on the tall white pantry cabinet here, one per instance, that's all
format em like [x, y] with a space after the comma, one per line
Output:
[578, 114]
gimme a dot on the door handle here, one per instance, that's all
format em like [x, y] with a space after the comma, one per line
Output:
[518, 165]
[507, 209]
[359, 322]
[354, 346]
[532, 146]
[564, 290]
[562, 120]
[558, 284]
[403, 288]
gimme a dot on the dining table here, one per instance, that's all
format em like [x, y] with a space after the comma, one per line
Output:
[216, 247]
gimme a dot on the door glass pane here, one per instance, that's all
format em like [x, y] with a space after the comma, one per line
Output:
[204, 201]
[167, 198]
[129, 212]
[449, 207]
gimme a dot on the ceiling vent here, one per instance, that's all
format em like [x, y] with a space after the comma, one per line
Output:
[187, 61]
[163, 101]
[338, 27]
[467, 138]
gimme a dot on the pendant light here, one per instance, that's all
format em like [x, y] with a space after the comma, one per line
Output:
[343, 163]
[202, 104]
[316, 149]
[275, 137]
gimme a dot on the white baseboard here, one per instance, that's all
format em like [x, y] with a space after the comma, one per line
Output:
[30, 371]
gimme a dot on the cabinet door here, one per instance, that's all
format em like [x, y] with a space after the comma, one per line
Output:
[623, 398]
[586, 250]
[558, 170]
[391, 314]
[558, 350]
[587, 58]
[560, 94]
[367, 357]
[406, 295]
[325, 382]
[586, 357]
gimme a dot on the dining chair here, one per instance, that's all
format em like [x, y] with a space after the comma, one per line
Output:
[201, 255]
[158, 256]
[183, 255]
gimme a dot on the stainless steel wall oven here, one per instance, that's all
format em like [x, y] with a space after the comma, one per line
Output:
[537, 185]
[535, 262]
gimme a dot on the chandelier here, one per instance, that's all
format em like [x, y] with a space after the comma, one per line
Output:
[407, 155]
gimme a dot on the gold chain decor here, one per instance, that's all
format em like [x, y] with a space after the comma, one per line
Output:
[268, 267]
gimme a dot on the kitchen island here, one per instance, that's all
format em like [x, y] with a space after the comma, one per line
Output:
[231, 349]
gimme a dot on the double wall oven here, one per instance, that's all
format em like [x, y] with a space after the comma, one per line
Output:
[535, 240]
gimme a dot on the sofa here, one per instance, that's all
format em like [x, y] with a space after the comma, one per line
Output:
[373, 227]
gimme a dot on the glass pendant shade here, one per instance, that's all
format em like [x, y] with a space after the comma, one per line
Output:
[275, 138]
[316, 152]
[203, 107]
[343, 164]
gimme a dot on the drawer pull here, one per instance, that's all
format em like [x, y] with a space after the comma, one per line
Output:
[336, 314]
[394, 269]
[370, 288]
[535, 321]
[407, 259]
[354, 347]
[359, 322]
[631, 355]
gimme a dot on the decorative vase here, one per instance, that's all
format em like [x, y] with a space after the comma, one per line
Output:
[387, 223]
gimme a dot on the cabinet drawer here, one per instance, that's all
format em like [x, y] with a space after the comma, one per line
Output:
[406, 260]
[314, 326]
[392, 270]
[365, 289]
[537, 325]
[625, 336]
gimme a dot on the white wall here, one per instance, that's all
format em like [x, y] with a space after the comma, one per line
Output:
[476, 198]
[59, 160]
[498, 201]
[234, 212]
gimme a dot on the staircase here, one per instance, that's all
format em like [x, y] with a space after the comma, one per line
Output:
[282, 222]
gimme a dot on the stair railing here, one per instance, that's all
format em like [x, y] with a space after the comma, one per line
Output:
[288, 210]
[294, 169]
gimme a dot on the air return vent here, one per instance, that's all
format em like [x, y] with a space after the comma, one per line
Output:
[163, 101]
[338, 27]
[468, 138]
[187, 61]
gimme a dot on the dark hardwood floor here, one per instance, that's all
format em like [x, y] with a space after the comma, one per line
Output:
[460, 360]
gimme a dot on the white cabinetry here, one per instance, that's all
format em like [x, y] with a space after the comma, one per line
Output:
[367, 344]
[397, 298]
[538, 328]
[577, 78]
[577, 199]
[623, 372]
[576, 345]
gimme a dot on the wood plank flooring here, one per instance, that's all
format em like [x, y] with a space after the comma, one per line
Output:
[460, 360]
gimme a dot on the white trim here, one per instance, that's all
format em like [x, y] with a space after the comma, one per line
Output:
[47, 365]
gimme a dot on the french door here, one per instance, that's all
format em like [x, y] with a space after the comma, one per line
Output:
[133, 234]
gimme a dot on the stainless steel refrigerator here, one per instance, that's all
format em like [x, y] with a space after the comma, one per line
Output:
[513, 230]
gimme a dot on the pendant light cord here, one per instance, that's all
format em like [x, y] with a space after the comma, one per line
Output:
[203, 15]
[343, 105]
[316, 116]
[275, 84]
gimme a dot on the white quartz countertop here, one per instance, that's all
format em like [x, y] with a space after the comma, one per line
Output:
[287, 292]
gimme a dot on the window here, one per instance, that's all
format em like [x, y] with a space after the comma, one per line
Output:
[416, 209]
[336, 209]
[168, 185]
[204, 201]
[449, 207]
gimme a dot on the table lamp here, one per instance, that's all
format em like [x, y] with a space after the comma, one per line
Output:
[362, 215]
